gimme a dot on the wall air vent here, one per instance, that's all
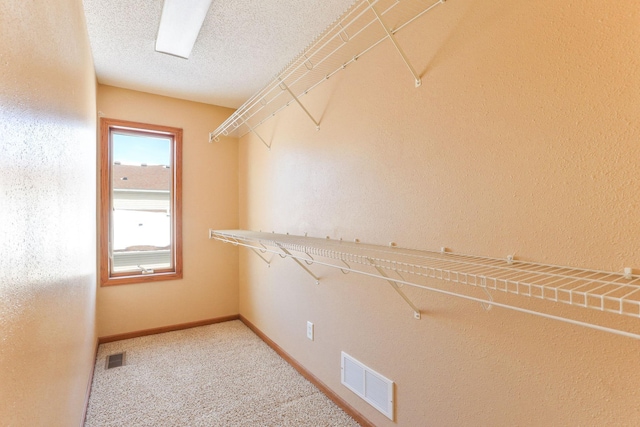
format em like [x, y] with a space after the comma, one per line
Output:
[115, 360]
[374, 388]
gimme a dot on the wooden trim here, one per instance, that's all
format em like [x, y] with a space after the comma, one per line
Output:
[360, 419]
[88, 391]
[106, 278]
[140, 278]
[163, 329]
[177, 200]
[103, 207]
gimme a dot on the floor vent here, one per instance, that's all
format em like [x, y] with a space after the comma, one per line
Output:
[375, 389]
[115, 360]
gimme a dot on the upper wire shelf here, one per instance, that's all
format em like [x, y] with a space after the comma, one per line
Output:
[365, 25]
[604, 291]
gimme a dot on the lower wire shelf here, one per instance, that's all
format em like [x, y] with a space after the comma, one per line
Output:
[604, 291]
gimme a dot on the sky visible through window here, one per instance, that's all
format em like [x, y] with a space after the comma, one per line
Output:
[135, 150]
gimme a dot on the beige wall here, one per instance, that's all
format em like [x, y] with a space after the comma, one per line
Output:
[210, 200]
[47, 213]
[522, 139]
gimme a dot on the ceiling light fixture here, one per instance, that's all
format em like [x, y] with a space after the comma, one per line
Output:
[180, 24]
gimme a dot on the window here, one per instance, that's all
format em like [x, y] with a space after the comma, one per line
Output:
[140, 202]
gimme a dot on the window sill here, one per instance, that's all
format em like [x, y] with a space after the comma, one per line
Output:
[139, 278]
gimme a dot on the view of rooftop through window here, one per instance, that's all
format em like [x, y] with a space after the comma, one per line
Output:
[141, 201]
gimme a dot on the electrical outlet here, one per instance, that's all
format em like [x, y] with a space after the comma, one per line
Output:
[310, 330]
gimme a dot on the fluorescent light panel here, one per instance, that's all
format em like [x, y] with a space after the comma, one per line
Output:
[180, 24]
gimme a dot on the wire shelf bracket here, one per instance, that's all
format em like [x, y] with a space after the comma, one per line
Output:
[393, 40]
[268, 261]
[394, 285]
[284, 86]
[358, 31]
[617, 293]
[215, 137]
[309, 272]
[258, 135]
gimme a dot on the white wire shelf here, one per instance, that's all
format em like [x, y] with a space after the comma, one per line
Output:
[604, 291]
[365, 25]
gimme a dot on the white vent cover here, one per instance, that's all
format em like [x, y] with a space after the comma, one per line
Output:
[375, 389]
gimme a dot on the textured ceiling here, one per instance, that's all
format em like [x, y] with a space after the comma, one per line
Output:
[241, 47]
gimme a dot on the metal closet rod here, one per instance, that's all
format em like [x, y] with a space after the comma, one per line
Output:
[238, 118]
[244, 238]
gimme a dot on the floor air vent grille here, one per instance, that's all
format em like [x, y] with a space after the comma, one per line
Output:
[115, 360]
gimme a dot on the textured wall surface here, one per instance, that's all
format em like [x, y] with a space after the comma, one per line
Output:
[209, 287]
[47, 213]
[522, 139]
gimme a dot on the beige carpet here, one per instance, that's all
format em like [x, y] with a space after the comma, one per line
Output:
[218, 375]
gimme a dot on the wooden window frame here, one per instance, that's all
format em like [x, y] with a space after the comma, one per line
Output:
[105, 207]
